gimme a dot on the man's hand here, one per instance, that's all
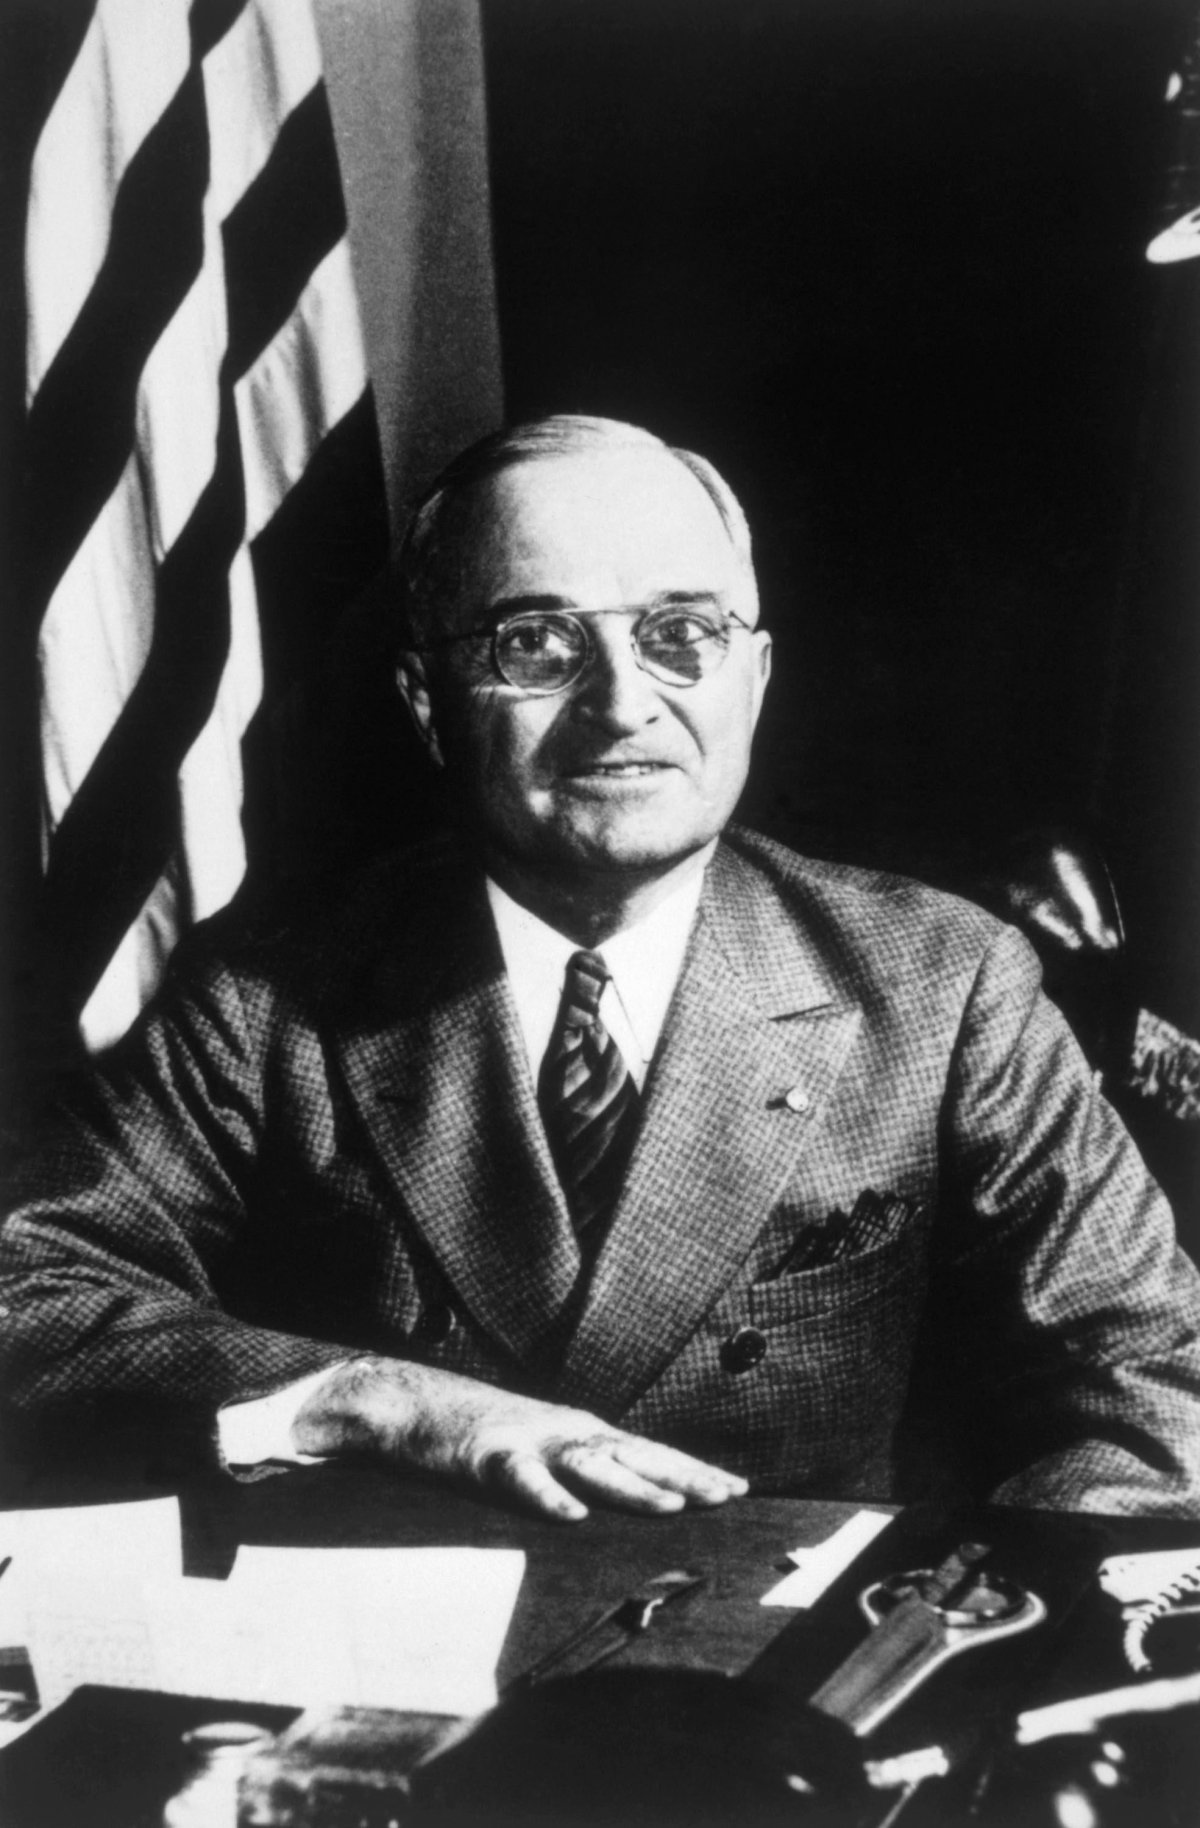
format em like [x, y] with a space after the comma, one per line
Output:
[514, 1445]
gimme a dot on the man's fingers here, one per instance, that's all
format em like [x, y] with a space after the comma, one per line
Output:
[525, 1475]
[597, 1467]
[678, 1472]
[552, 1459]
[590, 1465]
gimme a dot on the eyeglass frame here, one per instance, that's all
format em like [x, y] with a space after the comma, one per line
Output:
[492, 636]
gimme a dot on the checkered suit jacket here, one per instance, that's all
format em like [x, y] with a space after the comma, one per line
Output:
[327, 1136]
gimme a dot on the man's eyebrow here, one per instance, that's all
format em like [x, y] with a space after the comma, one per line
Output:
[687, 599]
[519, 606]
[662, 599]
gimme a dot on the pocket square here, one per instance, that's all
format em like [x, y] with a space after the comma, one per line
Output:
[875, 1218]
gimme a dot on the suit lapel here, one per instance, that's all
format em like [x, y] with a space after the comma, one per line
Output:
[754, 1017]
[438, 1071]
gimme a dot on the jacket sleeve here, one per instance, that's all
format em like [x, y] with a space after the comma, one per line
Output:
[118, 1216]
[1067, 1289]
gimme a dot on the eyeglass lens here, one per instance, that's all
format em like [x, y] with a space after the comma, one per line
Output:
[545, 652]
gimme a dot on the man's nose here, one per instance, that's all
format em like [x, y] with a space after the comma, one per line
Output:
[615, 691]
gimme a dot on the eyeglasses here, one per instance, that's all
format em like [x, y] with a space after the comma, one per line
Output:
[545, 651]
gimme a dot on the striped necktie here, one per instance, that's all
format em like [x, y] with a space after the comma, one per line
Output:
[588, 1101]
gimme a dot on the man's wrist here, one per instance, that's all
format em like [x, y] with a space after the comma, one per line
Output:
[259, 1430]
[362, 1407]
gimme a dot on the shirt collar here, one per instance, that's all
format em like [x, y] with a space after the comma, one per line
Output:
[645, 960]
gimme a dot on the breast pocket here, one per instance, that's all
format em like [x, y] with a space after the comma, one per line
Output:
[837, 1358]
[881, 1275]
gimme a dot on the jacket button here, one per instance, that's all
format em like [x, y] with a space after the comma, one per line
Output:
[436, 1324]
[798, 1100]
[746, 1349]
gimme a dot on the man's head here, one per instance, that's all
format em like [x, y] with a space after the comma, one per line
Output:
[581, 649]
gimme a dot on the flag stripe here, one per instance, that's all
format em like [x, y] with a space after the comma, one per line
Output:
[304, 382]
[97, 629]
[210, 357]
[82, 153]
[209, 21]
[81, 423]
[118, 833]
[276, 235]
[327, 538]
[271, 55]
[210, 780]
[180, 386]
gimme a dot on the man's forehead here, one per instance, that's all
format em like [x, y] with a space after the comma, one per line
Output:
[625, 514]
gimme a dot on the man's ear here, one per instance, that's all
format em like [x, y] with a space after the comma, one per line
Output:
[762, 664]
[414, 690]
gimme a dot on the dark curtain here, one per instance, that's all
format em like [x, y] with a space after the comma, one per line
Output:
[885, 264]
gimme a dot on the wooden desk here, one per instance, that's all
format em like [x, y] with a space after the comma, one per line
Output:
[573, 1570]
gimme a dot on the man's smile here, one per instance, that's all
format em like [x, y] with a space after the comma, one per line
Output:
[611, 776]
[619, 768]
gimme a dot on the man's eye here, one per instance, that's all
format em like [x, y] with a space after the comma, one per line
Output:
[539, 640]
[681, 629]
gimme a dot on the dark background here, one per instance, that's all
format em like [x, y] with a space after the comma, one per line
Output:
[884, 263]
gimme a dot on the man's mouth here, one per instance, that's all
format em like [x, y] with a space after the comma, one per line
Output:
[631, 776]
[619, 770]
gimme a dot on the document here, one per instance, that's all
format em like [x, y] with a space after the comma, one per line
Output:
[817, 1567]
[399, 1628]
[96, 1546]
[74, 1580]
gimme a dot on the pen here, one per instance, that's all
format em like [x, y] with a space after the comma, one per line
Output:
[614, 1629]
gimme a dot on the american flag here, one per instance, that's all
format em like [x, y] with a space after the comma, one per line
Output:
[201, 473]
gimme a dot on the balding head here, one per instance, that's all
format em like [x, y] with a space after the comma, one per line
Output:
[435, 556]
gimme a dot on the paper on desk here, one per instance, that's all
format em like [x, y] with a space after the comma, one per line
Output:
[116, 1546]
[82, 1629]
[400, 1628]
[819, 1566]
[418, 1628]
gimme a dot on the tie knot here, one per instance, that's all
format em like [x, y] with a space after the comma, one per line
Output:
[587, 974]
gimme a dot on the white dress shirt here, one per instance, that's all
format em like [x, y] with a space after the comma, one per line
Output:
[645, 960]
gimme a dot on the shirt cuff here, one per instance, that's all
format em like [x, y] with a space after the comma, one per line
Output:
[248, 1434]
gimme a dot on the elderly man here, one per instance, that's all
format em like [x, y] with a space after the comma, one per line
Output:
[607, 1154]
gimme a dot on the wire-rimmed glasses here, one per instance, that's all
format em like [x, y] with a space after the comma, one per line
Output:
[546, 650]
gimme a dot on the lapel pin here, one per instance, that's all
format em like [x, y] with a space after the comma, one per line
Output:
[798, 1100]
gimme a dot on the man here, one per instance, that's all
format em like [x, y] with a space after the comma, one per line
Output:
[597, 1156]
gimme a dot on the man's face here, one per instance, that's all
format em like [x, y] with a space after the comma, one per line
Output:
[619, 771]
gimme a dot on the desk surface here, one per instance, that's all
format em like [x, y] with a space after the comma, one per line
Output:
[572, 1570]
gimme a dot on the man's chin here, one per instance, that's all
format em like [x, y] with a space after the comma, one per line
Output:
[578, 840]
[624, 851]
